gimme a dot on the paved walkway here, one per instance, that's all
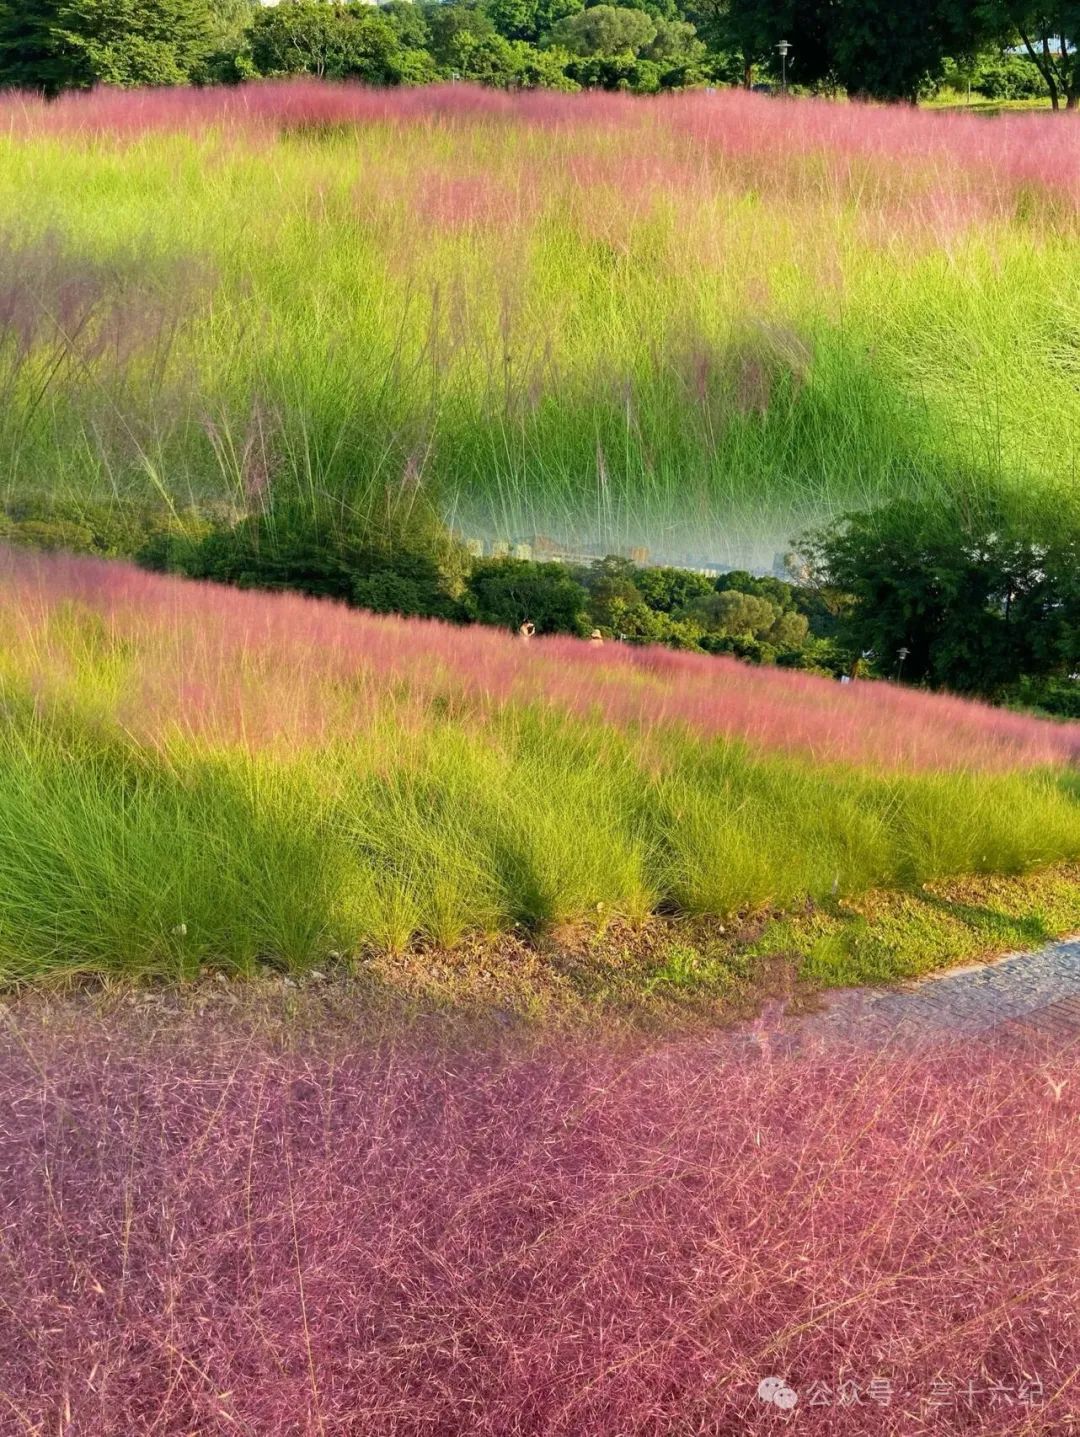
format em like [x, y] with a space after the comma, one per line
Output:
[1035, 994]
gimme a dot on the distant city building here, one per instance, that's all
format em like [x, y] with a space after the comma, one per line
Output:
[542, 548]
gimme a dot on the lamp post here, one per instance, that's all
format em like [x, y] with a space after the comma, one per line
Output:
[784, 47]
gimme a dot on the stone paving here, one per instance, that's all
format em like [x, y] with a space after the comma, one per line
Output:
[1035, 994]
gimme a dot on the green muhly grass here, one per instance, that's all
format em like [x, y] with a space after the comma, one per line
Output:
[124, 857]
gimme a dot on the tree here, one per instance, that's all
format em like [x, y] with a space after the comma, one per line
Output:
[669, 590]
[486, 59]
[136, 42]
[888, 49]
[762, 586]
[228, 58]
[972, 607]
[638, 624]
[613, 592]
[332, 40]
[749, 31]
[507, 592]
[896, 49]
[467, 41]
[529, 20]
[675, 44]
[389, 581]
[605, 31]
[544, 69]
[506, 64]
[750, 618]
[230, 20]
[996, 74]
[312, 554]
[34, 55]
[447, 20]
[408, 22]
[1049, 31]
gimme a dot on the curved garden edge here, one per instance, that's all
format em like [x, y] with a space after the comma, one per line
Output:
[661, 976]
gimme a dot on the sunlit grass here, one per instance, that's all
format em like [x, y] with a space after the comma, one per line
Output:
[695, 325]
[192, 776]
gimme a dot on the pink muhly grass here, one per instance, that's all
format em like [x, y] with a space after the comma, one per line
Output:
[683, 133]
[269, 667]
[451, 203]
[204, 1235]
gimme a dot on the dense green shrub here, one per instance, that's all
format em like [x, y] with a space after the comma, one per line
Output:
[110, 530]
[997, 77]
[1058, 697]
[313, 555]
[731, 614]
[348, 41]
[51, 536]
[670, 590]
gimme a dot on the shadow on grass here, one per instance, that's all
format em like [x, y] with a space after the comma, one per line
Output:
[888, 938]
[983, 919]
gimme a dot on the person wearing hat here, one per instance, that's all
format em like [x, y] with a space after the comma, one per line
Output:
[596, 637]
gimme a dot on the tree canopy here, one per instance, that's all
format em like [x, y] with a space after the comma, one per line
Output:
[974, 607]
[136, 42]
[1049, 31]
[882, 49]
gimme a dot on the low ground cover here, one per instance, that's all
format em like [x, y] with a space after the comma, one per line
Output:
[195, 777]
[214, 1224]
[696, 325]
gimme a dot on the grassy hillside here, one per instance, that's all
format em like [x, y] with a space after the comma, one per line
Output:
[695, 324]
[193, 776]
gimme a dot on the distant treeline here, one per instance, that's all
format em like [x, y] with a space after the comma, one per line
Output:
[905, 49]
[909, 593]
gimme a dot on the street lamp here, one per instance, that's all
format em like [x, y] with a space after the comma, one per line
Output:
[784, 47]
